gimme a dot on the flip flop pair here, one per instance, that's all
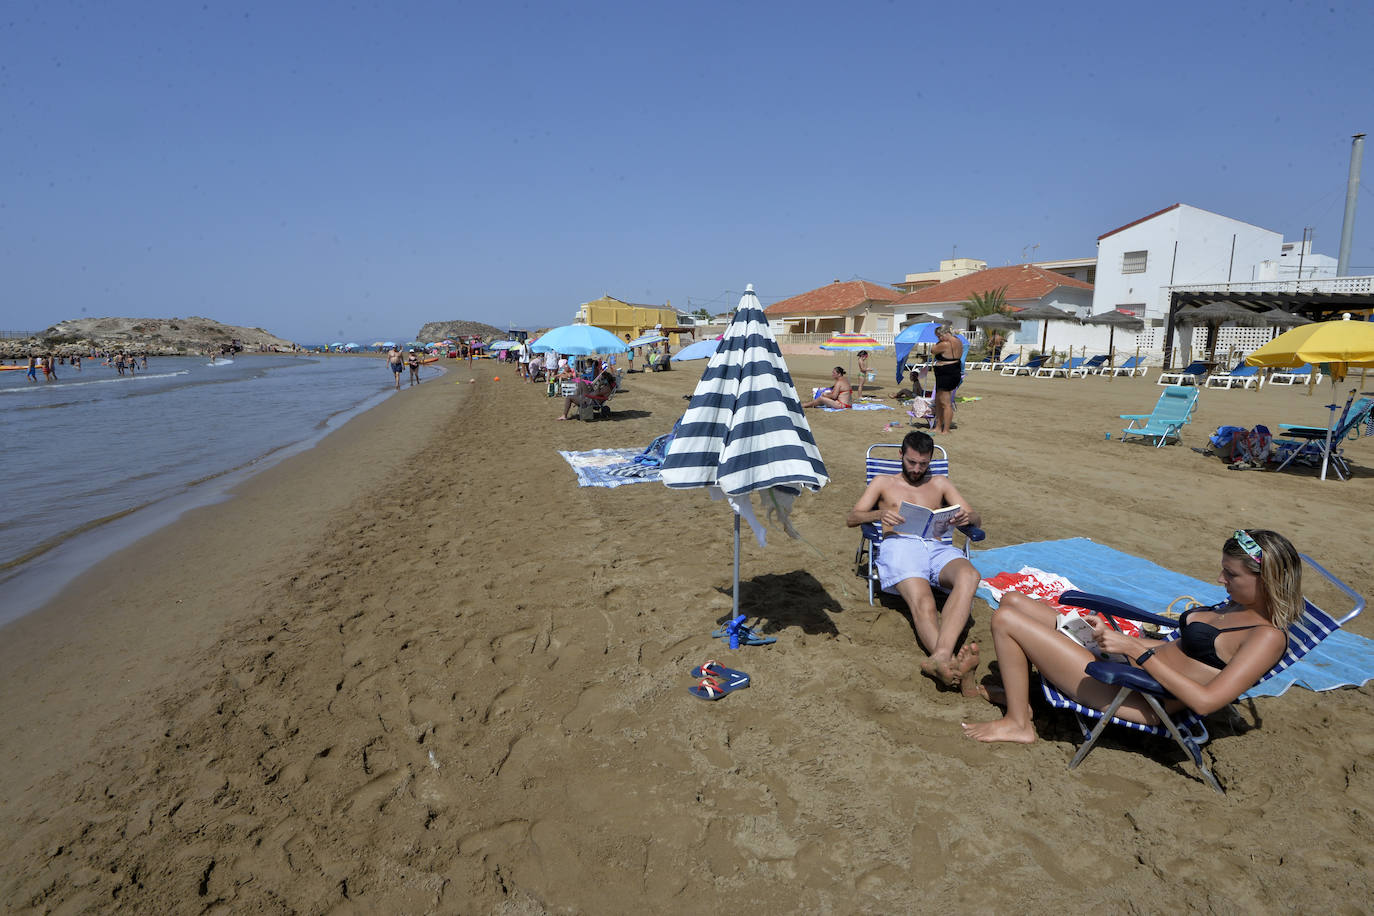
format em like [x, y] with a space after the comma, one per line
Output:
[716, 680]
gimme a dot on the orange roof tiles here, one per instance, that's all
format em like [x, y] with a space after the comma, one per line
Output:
[1022, 282]
[833, 298]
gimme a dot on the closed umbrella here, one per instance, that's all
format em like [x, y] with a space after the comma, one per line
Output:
[579, 340]
[744, 431]
[1338, 344]
[646, 339]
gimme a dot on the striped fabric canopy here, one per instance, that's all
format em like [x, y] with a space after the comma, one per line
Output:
[744, 429]
[851, 342]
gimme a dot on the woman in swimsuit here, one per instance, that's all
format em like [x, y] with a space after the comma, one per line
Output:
[948, 374]
[1221, 652]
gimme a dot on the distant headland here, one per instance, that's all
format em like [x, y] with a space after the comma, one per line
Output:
[153, 336]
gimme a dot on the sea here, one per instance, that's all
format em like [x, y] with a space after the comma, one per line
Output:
[93, 460]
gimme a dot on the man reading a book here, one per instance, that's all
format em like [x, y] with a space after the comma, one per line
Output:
[912, 559]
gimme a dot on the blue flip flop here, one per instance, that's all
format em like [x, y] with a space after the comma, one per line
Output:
[728, 678]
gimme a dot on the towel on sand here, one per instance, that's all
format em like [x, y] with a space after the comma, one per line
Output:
[598, 467]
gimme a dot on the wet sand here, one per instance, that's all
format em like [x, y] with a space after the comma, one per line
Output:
[416, 669]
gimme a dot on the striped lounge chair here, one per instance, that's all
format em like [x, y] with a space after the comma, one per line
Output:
[1187, 729]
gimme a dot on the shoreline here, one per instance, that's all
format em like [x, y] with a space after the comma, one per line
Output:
[40, 576]
[426, 672]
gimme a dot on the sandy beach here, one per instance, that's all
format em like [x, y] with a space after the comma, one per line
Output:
[416, 669]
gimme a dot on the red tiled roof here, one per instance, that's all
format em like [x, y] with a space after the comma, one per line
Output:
[1139, 221]
[1023, 281]
[834, 298]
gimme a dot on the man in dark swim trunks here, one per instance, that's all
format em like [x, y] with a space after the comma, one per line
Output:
[393, 357]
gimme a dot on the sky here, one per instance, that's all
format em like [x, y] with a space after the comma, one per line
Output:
[353, 170]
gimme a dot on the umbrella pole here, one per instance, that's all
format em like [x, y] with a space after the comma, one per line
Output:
[735, 592]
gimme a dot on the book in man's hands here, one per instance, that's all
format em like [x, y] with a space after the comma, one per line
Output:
[920, 522]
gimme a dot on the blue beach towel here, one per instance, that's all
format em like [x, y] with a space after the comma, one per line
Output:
[598, 468]
[1342, 660]
[863, 406]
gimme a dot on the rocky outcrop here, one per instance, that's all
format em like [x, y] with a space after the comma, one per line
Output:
[440, 330]
[154, 336]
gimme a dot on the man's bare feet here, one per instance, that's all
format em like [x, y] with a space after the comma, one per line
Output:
[965, 663]
[1003, 729]
[940, 668]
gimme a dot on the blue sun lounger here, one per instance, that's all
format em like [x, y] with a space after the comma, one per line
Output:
[1131, 367]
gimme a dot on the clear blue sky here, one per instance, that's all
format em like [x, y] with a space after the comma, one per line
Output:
[335, 170]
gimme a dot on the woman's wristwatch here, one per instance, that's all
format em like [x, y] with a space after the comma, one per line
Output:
[1143, 657]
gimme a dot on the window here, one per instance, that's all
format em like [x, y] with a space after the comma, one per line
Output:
[1133, 262]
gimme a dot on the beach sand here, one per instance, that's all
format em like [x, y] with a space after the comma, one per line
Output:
[416, 669]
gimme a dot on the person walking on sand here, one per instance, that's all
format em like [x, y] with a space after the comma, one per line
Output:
[908, 566]
[863, 375]
[1222, 651]
[840, 394]
[413, 361]
[393, 359]
[948, 351]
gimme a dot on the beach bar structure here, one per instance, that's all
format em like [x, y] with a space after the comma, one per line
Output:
[633, 320]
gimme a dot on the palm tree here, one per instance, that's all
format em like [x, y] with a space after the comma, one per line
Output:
[989, 303]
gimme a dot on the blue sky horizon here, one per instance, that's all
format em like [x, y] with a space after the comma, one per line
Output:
[344, 173]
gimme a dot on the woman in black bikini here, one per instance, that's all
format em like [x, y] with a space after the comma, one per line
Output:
[1221, 652]
[948, 375]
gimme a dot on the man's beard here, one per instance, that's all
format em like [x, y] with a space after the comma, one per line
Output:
[915, 480]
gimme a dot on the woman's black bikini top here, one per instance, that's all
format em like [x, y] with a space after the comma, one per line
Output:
[1198, 640]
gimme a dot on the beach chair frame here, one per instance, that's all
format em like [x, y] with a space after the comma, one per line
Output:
[1241, 375]
[1187, 729]
[1031, 367]
[1295, 376]
[871, 533]
[1308, 443]
[1073, 365]
[1171, 413]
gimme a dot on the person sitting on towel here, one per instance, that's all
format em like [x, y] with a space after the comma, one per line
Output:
[589, 394]
[839, 395]
[909, 566]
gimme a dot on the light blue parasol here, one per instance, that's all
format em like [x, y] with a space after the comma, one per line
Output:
[910, 336]
[579, 340]
[702, 349]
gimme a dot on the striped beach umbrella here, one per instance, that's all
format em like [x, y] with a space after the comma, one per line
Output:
[744, 432]
[851, 342]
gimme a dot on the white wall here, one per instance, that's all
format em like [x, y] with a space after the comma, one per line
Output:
[1204, 255]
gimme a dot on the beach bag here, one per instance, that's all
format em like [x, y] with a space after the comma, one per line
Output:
[1222, 441]
[1252, 447]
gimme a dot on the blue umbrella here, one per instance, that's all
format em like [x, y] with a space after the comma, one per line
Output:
[744, 431]
[504, 344]
[702, 349]
[580, 340]
[916, 333]
[388, 343]
[646, 340]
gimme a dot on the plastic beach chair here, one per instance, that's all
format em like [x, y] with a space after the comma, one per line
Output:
[1091, 367]
[1008, 360]
[1309, 443]
[1299, 375]
[1031, 367]
[886, 458]
[1173, 410]
[1066, 371]
[1242, 375]
[1187, 729]
[1131, 367]
[1193, 374]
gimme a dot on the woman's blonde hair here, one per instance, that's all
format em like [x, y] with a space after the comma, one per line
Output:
[1280, 572]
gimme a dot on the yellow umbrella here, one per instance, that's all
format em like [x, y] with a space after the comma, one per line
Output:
[1338, 344]
[1341, 344]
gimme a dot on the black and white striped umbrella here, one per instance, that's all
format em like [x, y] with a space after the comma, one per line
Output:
[744, 429]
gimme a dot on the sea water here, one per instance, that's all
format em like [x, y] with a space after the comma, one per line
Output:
[93, 459]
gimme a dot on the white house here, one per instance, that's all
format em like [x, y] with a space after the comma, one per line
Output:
[1176, 246]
